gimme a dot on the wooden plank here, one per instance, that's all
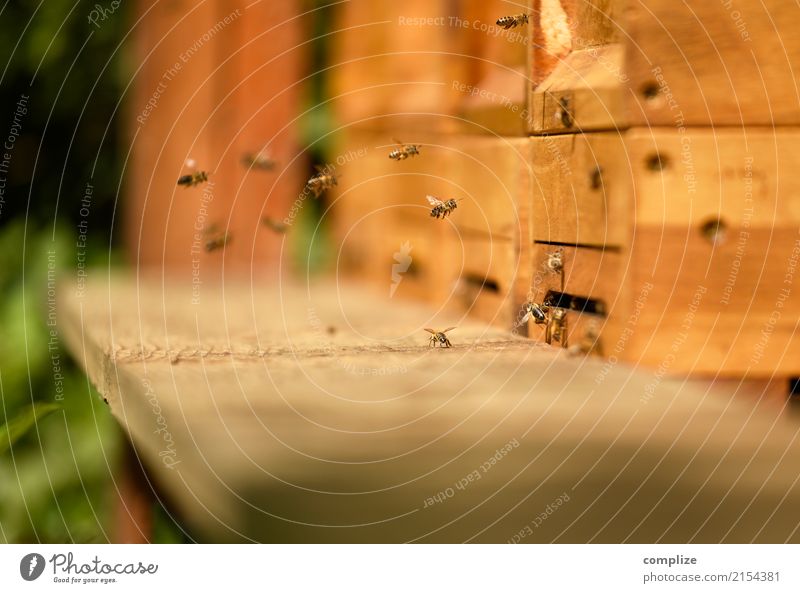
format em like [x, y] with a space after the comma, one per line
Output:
[720, 63]
[585, 92]
[311, 414]
[658, 63]
[377, 51]
[734, 291]
[582, 190]
[216, 80]
[559, 27]
[596, 274]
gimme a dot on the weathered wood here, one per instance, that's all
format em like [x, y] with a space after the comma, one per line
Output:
[478, 258]
[724, 63]
[582, 190]
[661, 63]
[314, 413]
[216, 80]
[707, 235]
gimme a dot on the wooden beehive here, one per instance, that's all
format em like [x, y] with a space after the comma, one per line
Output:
[647, 149]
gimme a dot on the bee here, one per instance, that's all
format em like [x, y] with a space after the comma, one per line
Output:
[510, 22]
[193, 179]
[557, 327]
[536, 312]
[260, 161]
[439, 337]
[442, 209]
[555, 261]
[320, 181]
[275, 225]
[214, 238]
[405, 151]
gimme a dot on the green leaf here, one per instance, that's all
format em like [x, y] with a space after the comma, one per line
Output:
[12, 431]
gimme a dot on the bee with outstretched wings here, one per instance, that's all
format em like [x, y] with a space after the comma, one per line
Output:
[404, 151]
[536, 312]
[322, 180]
[439, 337]
[442, 209]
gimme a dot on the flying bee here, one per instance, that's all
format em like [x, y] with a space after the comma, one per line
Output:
[193, 179]
[536, 312]
[275, 225]
[442, 209]
[214, 238]
[439, 337]
[510, 22]
[261, 161]
[320, 181]
[405, 151]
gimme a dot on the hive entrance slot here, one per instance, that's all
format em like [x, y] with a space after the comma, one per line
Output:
[481, 283]
[565, 300]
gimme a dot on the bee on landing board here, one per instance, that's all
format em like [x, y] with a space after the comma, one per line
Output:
[405, 151]
[439, 337]
[322, 180]
[193, 179]
[261, 161]
[442, 209]
[510, 22]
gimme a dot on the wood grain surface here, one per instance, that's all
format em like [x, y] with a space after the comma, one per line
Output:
[317, 413]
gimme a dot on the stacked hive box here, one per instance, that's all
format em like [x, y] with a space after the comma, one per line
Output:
[440, 74]
[664, 152]
[650, 197]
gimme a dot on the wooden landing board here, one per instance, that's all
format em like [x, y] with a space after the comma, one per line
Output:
[318, 413]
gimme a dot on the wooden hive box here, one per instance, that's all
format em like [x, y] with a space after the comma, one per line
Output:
[678, 236]
[467, 110]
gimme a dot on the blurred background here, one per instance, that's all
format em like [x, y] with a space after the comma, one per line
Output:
[67, 114]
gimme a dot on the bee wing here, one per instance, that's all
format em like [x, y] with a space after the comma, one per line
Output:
[449, 329]
[433, 201]
[430, 331]
[524, 319]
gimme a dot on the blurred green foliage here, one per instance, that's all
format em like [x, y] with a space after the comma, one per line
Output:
[57, 462]
[57, 454]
